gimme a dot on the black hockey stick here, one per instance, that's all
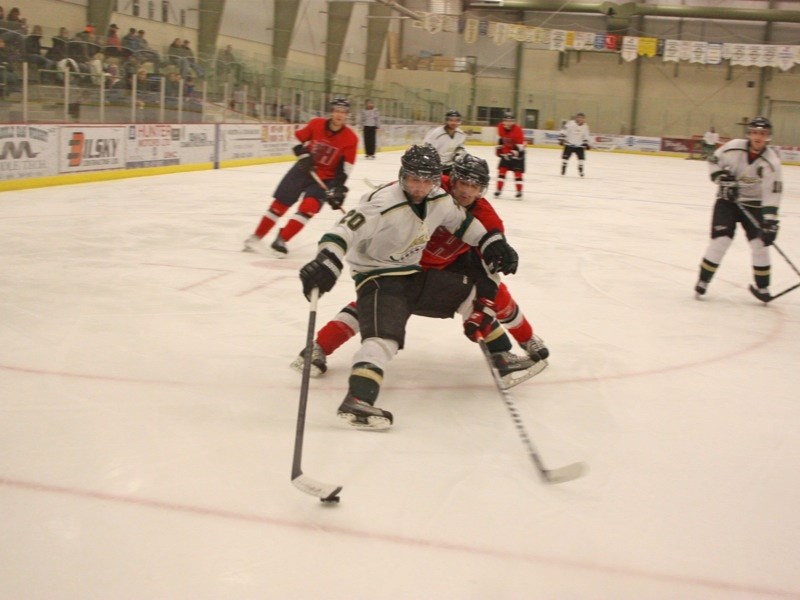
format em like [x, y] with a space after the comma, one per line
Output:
[753, 290]
[560, 475]
[321, 183]
[323, 491]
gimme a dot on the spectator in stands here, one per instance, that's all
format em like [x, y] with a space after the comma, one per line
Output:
[189, 89]
[172, 89]
[130, 41]
[113, 46]
[228, 65]
[17, 22]
[146, 53]
[33, 50]
[58, 49]
[9, 80]
[193, 64]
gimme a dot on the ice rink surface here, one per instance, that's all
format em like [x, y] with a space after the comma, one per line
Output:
[147, 411]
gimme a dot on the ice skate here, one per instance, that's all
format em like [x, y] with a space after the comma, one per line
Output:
[700, 289]
[515, 369]
[279, 247]
[362, 415]
[497, 194]
[518, 195]
[761, 293]
[536, 349]
[253, 244]
[319, 362]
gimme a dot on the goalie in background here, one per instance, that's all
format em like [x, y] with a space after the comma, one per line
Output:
[575, 140]
[748, 173]
[511, 150]
[327, 149]
[710, 142]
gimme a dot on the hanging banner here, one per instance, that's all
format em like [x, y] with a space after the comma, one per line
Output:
[671, 48]
[471, 31]
[714, 54]
[558, 40]
[630, 48]
[784, 57]
[648, 47]
[433, 23]
[699, 51]
[500, 33]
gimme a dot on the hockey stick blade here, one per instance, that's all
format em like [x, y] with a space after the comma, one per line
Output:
[564, 474]
[323, 491]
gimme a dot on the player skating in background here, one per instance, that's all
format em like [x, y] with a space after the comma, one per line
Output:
[327, 149]
[511, 150]
[446, 253]
[448, 139]
[383, 239]
[575, 140]
[749, 174]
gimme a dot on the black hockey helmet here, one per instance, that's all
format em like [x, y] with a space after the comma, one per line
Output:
[452, 114]
[471, 169]
[340, 102]
[508, 116]
[759, 123]
[421, 161]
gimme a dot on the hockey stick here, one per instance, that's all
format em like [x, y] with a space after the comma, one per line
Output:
[323, 491]
[321, 183]
[560, 475]
[753, 290]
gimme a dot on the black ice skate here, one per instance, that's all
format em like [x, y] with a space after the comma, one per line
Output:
[700, 288]
[279, 248]
[362, 415]
[761, 293]
[319, 362]
[515, 369]
[536, 349]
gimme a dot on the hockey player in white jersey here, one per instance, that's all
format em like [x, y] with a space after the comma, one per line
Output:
[748, 173]
[448, 139]
[382, 240]
[575, 140]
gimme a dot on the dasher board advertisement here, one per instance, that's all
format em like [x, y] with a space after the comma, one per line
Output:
[90, 148]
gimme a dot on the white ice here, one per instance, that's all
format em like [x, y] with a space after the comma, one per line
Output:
[147, 411]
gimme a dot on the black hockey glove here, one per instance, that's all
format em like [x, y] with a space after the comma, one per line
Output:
[499, 151]
[304, 161]
[728, 187]
[586, 146]
[498, 254]
[481, 319]
[769, 231]
[321, 273]
[335, 195]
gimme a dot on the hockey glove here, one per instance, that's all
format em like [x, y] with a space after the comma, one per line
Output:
[499, 151]
[728, 187]
[335, 195]
[481, 319]
[304, 161]
[321, 273]
[560, 142]
[586, 146]
[497, 254]
[769, 231]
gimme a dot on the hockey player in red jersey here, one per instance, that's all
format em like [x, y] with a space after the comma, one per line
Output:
[327, 150]
[511, 150]
[446, 253]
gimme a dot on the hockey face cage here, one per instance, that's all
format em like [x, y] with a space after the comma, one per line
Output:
[471, 169]
[422, 162]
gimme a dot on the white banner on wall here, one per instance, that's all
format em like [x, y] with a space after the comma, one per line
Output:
[91, 148]
[252, 141]
[159, 145]
[28, 151]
